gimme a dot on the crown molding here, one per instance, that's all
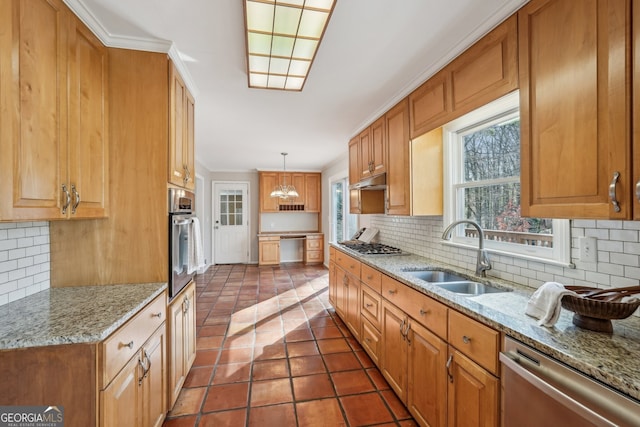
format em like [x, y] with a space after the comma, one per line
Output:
[133, 43]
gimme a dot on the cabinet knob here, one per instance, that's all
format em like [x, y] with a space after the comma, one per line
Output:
[466, 339]
[393, 291]
[129, 344]
[369, 305]
[158, 315]
[423, 312]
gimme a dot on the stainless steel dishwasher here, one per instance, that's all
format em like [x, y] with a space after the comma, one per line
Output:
[538, 391]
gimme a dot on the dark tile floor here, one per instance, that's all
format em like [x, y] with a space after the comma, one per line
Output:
[272, 352]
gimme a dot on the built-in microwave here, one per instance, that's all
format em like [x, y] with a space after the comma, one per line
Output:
[181, 214]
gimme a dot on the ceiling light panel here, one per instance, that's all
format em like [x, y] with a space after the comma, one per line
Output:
[282, 38]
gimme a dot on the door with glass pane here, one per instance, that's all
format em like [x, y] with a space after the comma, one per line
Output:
[231, 222]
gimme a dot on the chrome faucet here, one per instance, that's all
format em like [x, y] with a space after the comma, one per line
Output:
[483, 264]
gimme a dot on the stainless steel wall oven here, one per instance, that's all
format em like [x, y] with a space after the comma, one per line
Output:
[181, 213]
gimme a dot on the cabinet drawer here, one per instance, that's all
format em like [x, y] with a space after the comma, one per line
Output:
[351, 265]
[425, 310]
[370, 340]
[371, 277]
[123, 344]
[475, 340]
[370, 305]
[269, 238]
[313, 243]
[314, 257]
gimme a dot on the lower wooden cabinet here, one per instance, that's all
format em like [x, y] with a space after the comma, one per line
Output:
[473, 393]
[313, 252]
[135, 397]
[348, 299]
[394, 349]
[182, 339]
[268, 250]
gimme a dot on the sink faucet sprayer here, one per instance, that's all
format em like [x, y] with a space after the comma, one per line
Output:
[483, 264]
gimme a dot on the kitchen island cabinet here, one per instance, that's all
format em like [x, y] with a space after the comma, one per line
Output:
[53, 113]
[97, 351]
[574, 62]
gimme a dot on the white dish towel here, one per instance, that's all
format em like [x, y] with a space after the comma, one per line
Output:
[195, 255]
[545, 305]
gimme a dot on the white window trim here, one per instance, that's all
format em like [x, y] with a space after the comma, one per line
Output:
[496, 111]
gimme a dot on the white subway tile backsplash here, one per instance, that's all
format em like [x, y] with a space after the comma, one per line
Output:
[618, 244]
[24, 259]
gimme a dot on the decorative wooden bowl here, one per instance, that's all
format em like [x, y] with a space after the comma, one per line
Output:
[595, 314]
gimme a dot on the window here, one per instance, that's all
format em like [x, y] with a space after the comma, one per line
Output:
[343, 224]
[482, 154]
[231, 207]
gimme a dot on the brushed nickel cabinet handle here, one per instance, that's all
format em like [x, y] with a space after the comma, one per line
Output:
[76, 197]
[448, 365]
[129, 344]
[612, 192]
[158, 315]
[466, 339]
[638, 190]
[67, 198]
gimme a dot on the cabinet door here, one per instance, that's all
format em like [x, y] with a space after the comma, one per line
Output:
[635, 19]
[190, 327]
[177, 135]
[312, 192]
[426, 174]
[430, 104]
[354, 160]
[352, 296]
[176, 356]
[365, 154]
[487, 70]
[88, 123]
[394, 349]
[120, 400]
[472, 394]
[354, 201]
[33, 109]
[398, 165]
[427, 384]
[189, 142]
[341, 293]
[575, 120]
[332, 283]
[298, 181]
[378, 147]
[269, 252]
[268, 181]
[154, 383]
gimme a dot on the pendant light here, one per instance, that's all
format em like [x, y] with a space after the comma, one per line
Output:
[283, 190]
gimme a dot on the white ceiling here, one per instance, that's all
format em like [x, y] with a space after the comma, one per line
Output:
[373, 54]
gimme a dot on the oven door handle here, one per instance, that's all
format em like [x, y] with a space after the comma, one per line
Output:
[513, 362]
[181, 222]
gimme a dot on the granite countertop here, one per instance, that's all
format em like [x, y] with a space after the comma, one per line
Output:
[72, 315]
[612, 359]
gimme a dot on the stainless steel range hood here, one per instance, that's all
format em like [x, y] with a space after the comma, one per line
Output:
[377, 182]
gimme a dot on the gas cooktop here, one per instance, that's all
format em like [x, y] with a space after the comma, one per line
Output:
[372, 248]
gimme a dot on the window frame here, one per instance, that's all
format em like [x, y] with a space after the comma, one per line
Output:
[495, 112]
[347, 216]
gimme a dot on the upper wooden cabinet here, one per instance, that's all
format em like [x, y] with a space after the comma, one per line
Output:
[484, 72]
[53, 114]
[430, 104]
[373, 149]
[354, 160]
[575, 109]
[398, 160]
[426, 174]
[487, 70]
[307, 184]
[181, 132]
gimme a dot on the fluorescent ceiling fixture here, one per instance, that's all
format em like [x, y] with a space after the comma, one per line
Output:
[282, 38]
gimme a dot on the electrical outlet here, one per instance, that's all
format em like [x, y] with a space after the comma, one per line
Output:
[588, 249]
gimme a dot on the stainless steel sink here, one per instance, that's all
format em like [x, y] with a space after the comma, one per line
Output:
[435, 276]
[469, 288]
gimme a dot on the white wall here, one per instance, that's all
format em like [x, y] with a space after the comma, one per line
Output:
[24, 259]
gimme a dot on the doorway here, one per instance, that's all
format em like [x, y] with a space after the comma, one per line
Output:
[230, 208]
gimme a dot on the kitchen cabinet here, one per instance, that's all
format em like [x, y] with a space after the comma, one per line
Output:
[373, 149]
[426, 174]
[430, 104]
[574, 62]
[182, 340]
[398, 160]
[54, 135]
[487, 70]
[635, 99]
[354, 160]
[332, 276]
[347, 299]
[312, 192]
[269, 250]
[308, 185]
[366, 201]
[181, 132]
[313, 252]
[92, 251]
[135, 396]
